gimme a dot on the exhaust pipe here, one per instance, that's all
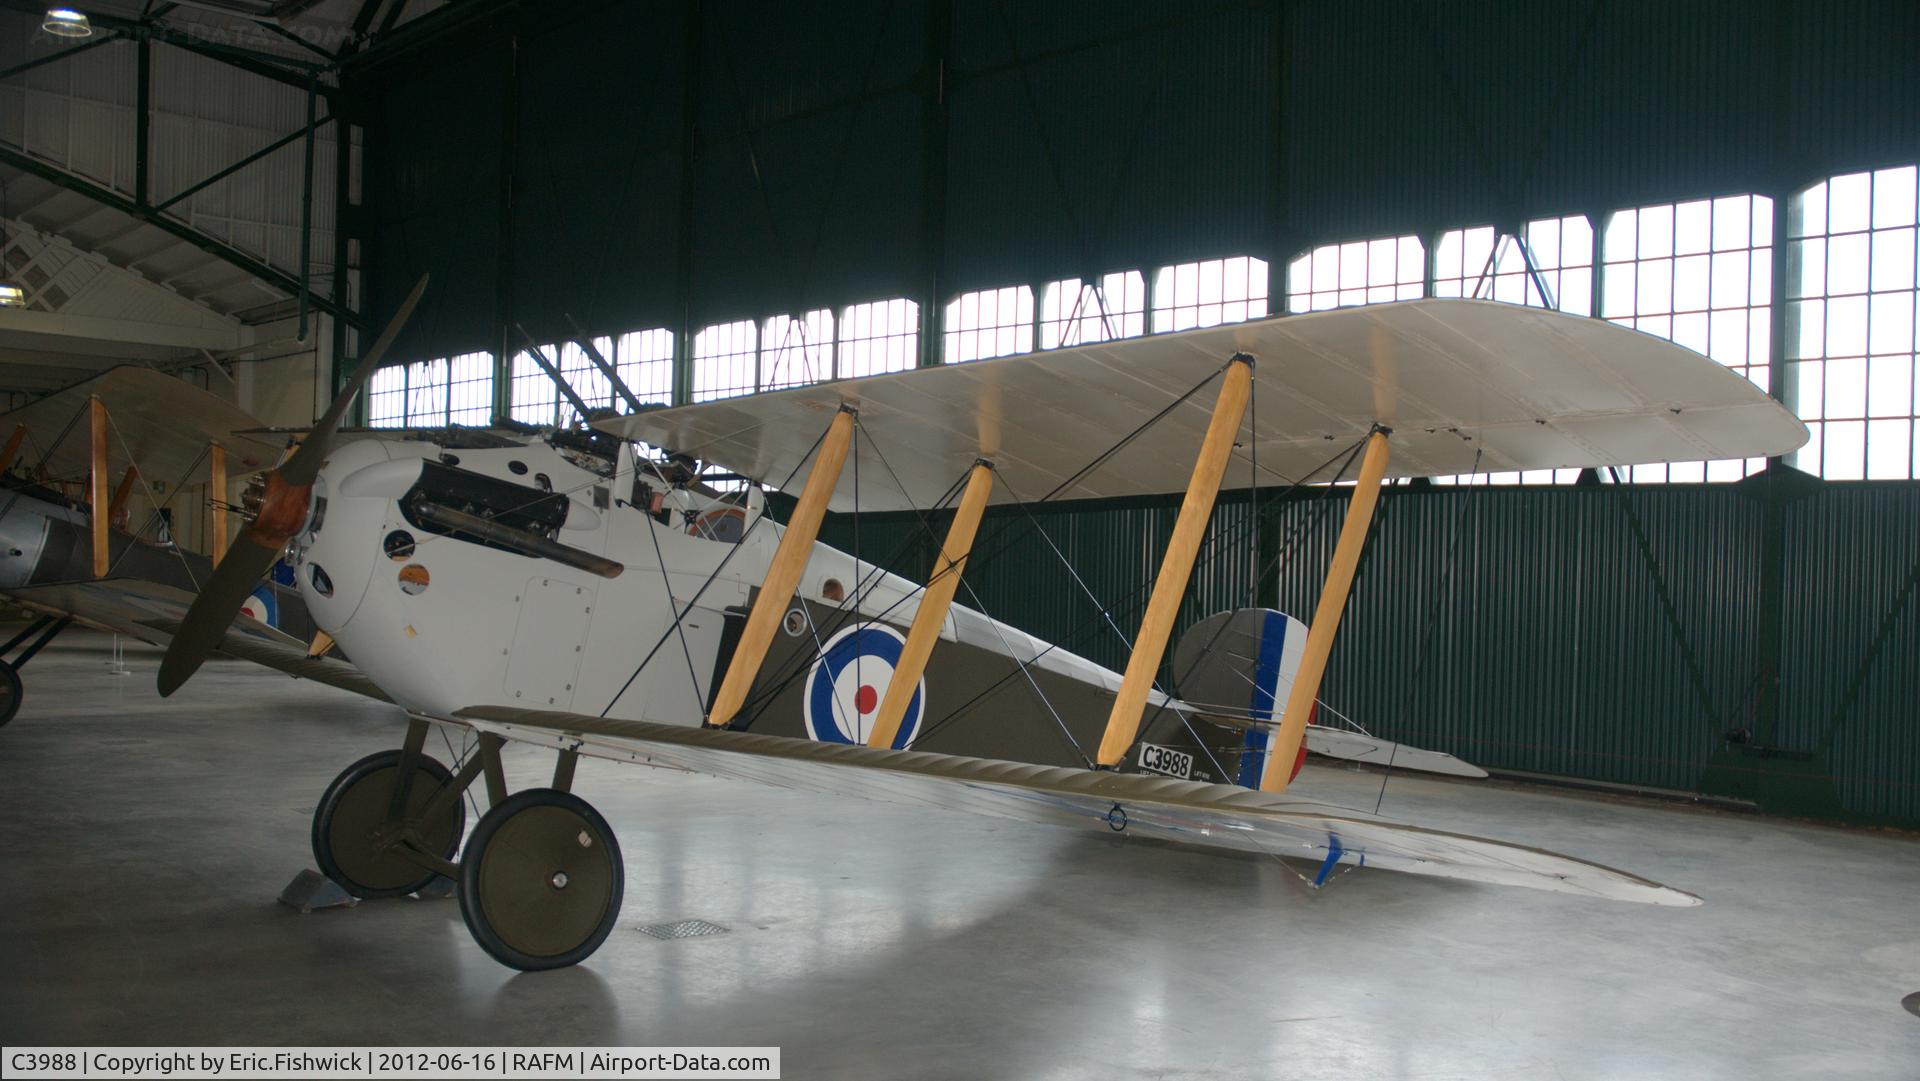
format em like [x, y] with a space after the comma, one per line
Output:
[516, 540]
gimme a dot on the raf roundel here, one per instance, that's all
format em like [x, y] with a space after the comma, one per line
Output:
[261, 605]
[849, 681]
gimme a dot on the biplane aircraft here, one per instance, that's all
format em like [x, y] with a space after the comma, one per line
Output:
[70, 551]
[582, 594]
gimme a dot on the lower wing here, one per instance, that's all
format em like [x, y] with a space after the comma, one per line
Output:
[1190, 812]
[152, 611]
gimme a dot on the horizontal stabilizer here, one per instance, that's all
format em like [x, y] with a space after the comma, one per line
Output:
[1372, 750]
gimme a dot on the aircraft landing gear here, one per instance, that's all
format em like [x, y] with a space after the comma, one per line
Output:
[11, 689]
[541, 879]
[10, 692]
[353, 842]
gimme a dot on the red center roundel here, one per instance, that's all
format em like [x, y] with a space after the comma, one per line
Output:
[866, 698]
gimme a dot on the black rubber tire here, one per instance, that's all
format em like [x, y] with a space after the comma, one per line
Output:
[356, 803]
[11, 692]
[508, 891]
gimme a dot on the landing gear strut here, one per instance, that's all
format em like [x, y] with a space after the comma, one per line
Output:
[355, 834]
[11, 690]
[541, 879]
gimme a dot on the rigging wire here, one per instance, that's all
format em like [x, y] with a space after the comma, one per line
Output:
[849, 608]
[1426, 634]
[957, 568]
[1064, 485]
[711, 578]
[1135, 601]
[14, 496]
[666, 586]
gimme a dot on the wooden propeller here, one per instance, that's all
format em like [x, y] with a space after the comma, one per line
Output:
[282, 513]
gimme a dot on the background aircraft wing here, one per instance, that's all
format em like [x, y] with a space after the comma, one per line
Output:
[1184, 811]
[162, 420]
[1465, 384]
[151, 612]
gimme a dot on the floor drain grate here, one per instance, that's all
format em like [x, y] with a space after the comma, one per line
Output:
[681, 929]
[1912, 1003]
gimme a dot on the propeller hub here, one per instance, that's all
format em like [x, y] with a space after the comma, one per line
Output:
[280, 512]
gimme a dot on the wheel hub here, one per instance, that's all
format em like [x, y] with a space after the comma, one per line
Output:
[559, 880]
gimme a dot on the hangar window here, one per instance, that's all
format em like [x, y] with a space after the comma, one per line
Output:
[644, 359]
[1205, 294]
[415, 396]
[535, 400]
[796, 351]
[1073, 312]
[1487, 264]
[470, 389]
[584, 376]
[883, 336]
[426, 394]
[387, 398]
[724, 359]
[1699, 274]
[1851, 365]
[1361, 272]
[989, 323]
[1490, 265]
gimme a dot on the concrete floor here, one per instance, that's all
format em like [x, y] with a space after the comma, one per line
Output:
[142, 844]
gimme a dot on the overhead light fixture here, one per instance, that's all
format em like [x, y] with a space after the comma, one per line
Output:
[67, 23]
[12, 296]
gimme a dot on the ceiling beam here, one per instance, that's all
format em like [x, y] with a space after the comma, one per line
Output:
[277, 279]
[60, 332]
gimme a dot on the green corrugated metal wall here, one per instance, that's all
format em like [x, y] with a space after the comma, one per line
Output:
[674, 163]
[1610, 633]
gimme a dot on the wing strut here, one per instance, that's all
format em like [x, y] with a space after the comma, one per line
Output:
[97, 483]
[217, 491]
[1326, 618]
[119, 506]
[12, 450]
[783, 574]
[1170, 585]
[934, 603]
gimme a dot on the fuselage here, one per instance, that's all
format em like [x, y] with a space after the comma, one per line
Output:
[441, 622]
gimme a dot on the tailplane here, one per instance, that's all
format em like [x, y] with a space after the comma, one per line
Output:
[1236, 668]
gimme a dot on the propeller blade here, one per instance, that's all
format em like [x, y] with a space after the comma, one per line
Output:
[306, 461]
[233, 581]
[248, 559]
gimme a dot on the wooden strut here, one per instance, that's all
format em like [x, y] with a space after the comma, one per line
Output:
[117, 512]
[97, 504]
[12, 450]
[217, 496]
[783, 573]
[934, 603]
[1170, 585]
[1326, 618]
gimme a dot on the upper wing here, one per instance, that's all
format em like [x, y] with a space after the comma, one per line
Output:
[1186, 811]
[162, 421]
[1460, 381]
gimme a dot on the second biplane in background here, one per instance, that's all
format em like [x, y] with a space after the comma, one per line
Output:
[78, 545]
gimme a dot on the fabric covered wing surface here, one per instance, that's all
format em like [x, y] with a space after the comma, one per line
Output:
[164, 422]
[1185, 811]
[1516, 388]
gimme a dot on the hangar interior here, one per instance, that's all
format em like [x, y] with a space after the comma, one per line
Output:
[1705, 671]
